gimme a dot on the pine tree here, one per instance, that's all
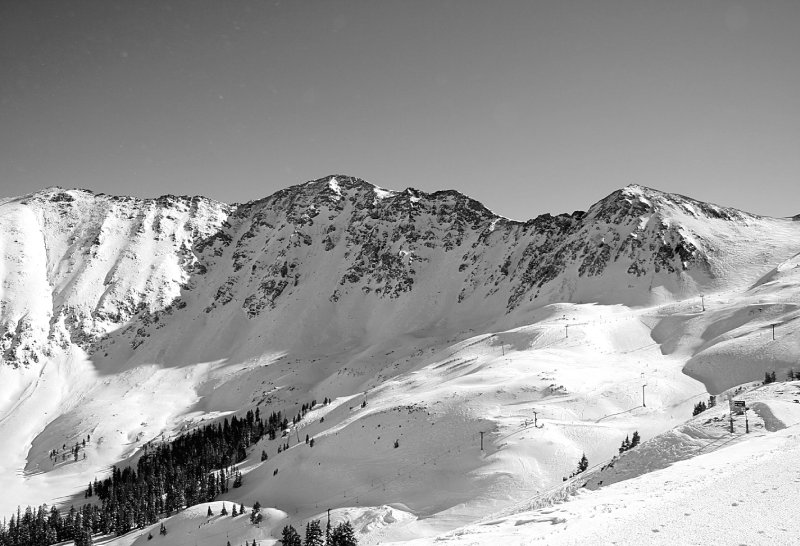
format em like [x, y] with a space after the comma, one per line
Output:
[343, 535]
[626, 445]
[311, 442]
[241, 509]
[583, 464]
[209, 513]
[699, 408]
[290, 537]
[255, 514]
[314, 536]
[224, 511]
[264, 456]
[234, 513]
[328, 532]
[635, 439]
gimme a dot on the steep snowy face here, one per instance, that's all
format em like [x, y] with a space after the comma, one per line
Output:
[333, 261]
[78, 265]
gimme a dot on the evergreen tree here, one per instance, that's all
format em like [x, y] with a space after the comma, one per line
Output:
[234, 513]
[264, 456]
[290, 537]
[583, 464]
[712, 401]
[699, 408]
[626, 445]
[635, 439]
[255, 514]
[209, 513]
[343, 535]
[311, 442]
[314, 536]
[224, 511]
[241, 509]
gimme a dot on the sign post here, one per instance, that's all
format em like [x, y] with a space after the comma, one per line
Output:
[746, 423]
[730, 411]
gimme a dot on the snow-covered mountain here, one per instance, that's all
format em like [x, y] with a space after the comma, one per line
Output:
[129, 319]
[337, 261]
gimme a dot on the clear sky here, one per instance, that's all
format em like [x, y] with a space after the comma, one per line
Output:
[528, 106]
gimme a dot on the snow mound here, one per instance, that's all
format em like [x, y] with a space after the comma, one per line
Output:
[194, 525]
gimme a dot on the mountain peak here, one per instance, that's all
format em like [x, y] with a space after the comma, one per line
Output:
[638, 200]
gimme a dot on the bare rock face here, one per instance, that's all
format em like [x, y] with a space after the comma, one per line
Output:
[325, 262]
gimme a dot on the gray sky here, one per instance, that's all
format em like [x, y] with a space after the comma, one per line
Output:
[528, 106]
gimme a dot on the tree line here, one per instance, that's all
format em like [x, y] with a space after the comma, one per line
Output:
[192, 469]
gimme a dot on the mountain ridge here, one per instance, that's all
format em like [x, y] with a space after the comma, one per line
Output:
[389, 239]
[323, 185]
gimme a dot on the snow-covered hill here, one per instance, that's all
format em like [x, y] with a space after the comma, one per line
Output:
[126, 320]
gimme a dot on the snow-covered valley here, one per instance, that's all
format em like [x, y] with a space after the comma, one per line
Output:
[470, 359]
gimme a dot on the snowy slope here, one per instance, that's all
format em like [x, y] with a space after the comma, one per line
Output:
[695, 484]
[128, 320]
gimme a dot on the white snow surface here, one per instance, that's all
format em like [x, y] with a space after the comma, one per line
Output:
[742, 494]
[110, 332]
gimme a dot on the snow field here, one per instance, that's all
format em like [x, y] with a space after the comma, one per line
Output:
[736, 495]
